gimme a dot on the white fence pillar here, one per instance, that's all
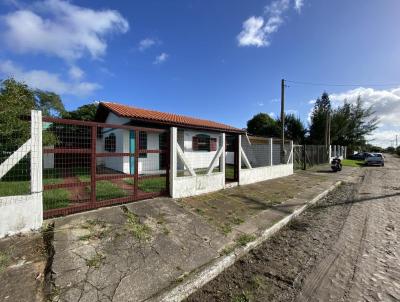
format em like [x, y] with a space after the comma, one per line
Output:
[36, 152]
[173, 159]
[271, 142]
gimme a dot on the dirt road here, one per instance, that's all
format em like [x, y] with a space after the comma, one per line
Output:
[345, 249]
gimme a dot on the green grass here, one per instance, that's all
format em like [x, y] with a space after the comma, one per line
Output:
[55, 198]
[229, 171]
[149, 185]
[107, 190]
[245, 239]
[352, 163]
[4, 261]
[95, 261]
[138, 230]
[8, 188]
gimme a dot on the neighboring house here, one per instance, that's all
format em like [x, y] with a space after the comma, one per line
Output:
[199, 139]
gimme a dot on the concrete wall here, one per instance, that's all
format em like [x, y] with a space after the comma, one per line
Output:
[196, 185]
[248, 176]
[20, 213]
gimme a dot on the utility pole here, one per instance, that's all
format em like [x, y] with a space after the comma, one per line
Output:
[283, 120]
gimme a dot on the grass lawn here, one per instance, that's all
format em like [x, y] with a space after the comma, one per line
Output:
[352, 163]
[9, 188]
[229, 171]
[56, 198]
[107, 190]
[149, 185]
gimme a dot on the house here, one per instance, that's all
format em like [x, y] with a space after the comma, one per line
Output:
[198, 139]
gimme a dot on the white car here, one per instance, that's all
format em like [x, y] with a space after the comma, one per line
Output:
[375, 159]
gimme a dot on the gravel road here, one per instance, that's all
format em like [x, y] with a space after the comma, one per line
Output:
[347, 248]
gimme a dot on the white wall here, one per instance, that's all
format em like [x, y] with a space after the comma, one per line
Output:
[230, 158]
[20, 213]
[121, 163]
[248, 176]
[196, 185]
[199, 159]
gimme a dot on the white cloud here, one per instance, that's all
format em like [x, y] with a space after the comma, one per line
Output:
[61, 29]
[76, 73]
[147, 43]
[384, 138]
[256, 31]
[45, 80]
[386, 103]
[161, 58]
[253, 33]
[261, 104]
[298, 4]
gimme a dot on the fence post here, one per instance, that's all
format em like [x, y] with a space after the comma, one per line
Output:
[93, 165]
[36, 152]
[291, 146]
[304, 157]
[173, 160]
[222, 160]
[330, 153]
[271, 142]
[37, 165]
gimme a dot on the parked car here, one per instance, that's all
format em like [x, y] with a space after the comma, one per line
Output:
[358, 156]
[375, 159]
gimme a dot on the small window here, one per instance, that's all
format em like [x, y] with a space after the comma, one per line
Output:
[230, 144]
[110, 143]
[203, 142]
[142, 143]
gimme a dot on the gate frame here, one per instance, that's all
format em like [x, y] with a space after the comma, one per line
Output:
[94, 177]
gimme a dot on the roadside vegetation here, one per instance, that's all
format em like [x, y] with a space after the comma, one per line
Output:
[352, 163]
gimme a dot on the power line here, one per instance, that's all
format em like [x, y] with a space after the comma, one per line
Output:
[340, 85]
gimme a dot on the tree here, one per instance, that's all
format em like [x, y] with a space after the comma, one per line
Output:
[264, 125]
[16, 102]
[319, 115]
[84, 113]
[294, 128]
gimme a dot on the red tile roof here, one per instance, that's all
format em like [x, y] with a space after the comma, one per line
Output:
[165, 118]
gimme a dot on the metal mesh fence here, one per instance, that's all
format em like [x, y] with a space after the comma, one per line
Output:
[87, 165]
[15, 158]
[306, 156]
[201, 150]
[265, 152]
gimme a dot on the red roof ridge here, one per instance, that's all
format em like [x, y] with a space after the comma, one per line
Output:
[155, 115]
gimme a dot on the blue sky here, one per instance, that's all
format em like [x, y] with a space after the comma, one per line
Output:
[219, 60]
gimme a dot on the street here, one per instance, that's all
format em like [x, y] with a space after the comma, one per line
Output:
[344, 249]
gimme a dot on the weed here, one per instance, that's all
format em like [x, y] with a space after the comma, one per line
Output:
[244, 239]
[237, 220]
[257, 282]
[95, 261]
[4, 261]
[139, 230]
[226, 228]
[227, 250]
[200, 211]
[243, 297]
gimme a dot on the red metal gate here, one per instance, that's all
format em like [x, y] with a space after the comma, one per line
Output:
[88, 165]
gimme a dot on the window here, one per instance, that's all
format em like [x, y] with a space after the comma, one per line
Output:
[110, 143]
[203, 142]
[142, 143]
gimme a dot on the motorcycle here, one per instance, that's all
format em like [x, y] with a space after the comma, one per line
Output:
[336, 164]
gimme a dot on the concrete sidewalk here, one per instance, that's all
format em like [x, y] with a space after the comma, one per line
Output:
[141, 250]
